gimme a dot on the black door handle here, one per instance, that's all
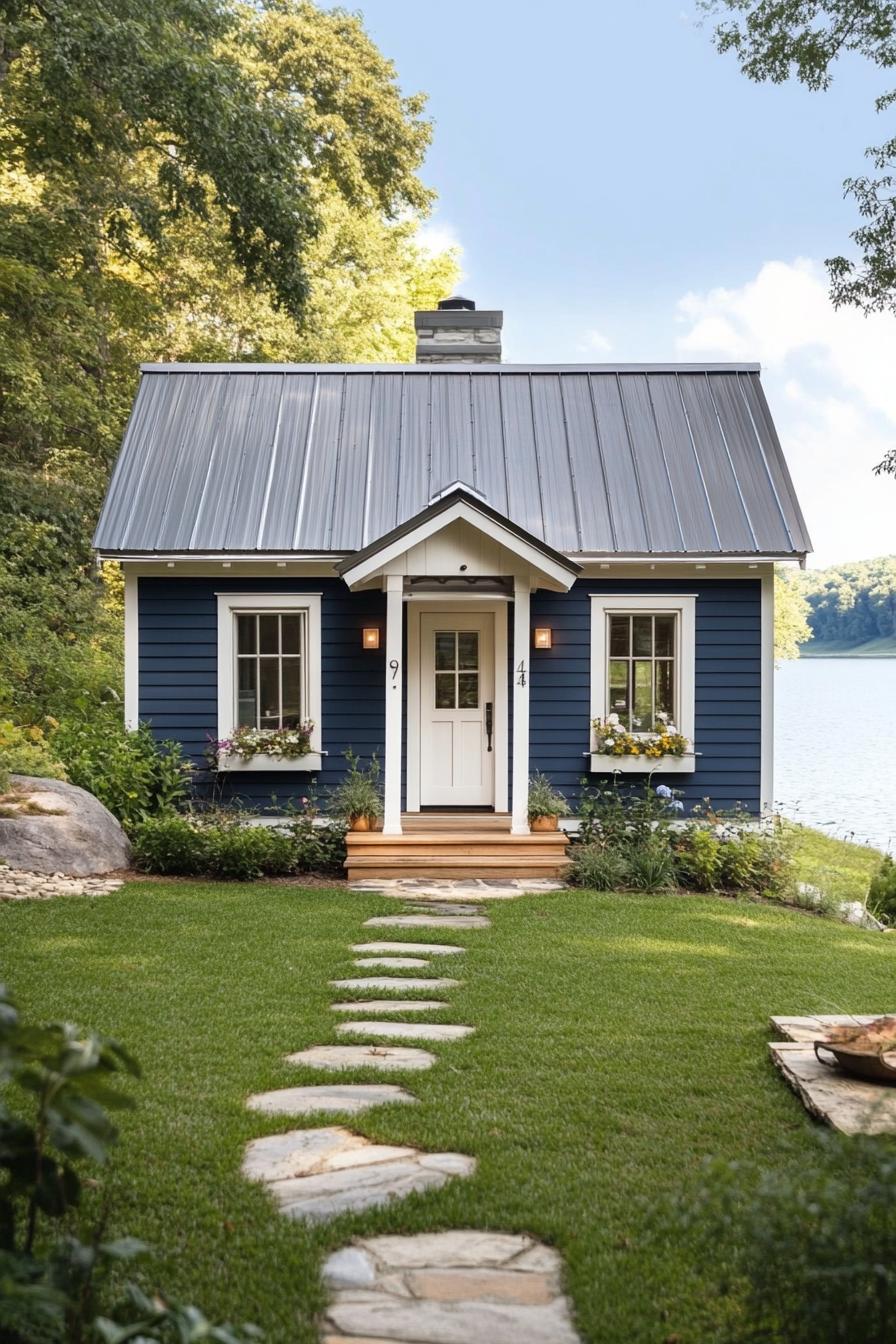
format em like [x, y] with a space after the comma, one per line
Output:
[489, 716]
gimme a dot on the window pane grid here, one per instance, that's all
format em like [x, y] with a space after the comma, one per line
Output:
[640, 675]
[270, 658]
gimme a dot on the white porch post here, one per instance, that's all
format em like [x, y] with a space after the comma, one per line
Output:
[520, 797]
[394, 585]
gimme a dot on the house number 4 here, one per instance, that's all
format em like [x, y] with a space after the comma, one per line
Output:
[521, 673]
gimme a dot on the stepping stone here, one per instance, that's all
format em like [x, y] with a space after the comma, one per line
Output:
[846, 1103]
[393, 963]
[388, 1006]
[814, 1028]
[446, 1288]
[385, 1057]
[415, 949]
[347, 1097]
[396, 1031]
[443, 908]
[315, 1174]
[428, 921]
[395, 982]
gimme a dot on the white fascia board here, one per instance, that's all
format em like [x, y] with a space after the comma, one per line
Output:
[468, 513]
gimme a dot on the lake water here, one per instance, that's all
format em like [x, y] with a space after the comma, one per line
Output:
[835, 746]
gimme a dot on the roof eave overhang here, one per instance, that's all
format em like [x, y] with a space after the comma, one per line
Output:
[548, 566]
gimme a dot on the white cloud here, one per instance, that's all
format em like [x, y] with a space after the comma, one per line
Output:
[435, 236]
[594, 342]
[830, 376]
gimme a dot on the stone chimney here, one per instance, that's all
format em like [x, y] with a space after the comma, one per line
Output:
[455, 333]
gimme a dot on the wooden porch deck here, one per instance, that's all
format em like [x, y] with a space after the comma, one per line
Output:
[455, 845]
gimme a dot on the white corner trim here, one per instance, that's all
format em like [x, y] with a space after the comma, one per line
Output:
[394, 586]
[231, 603]
[685, 607]
[131, 651]
[519, 797]
[767, 695]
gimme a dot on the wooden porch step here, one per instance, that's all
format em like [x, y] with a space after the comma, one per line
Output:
[498, 841]
[458, 850]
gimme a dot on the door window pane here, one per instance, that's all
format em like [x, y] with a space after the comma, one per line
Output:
[468, 649]
[468, 690]
[446, 650]
[446, 684]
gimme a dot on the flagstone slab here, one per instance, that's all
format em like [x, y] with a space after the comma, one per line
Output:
[399, 983]
[811, 1029]
[428, 921]
[392, 963]
[315, 1174]
[396, 1031]
[384, 1057]
[848, 1104]
[412, 949]
[447, 1288]
[388, 1006]
[350, 1098]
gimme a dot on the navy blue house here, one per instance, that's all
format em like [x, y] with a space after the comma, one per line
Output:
[460, 565]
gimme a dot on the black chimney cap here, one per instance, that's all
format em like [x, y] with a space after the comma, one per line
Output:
[457, 303]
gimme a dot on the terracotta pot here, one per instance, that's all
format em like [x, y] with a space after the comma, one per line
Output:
[543, 824]
[359, 824]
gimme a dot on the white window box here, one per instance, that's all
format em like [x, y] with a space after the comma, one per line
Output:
[602, 763]
[228, 760]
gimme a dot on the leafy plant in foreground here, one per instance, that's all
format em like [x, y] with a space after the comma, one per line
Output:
[813, 1256]
[882, 891]
[54, 1261]
[129, 771]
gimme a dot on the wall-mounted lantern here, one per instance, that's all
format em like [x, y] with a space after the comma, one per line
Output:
[543, 637]
[370, 637]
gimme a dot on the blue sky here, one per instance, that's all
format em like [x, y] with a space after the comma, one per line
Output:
[624, 193]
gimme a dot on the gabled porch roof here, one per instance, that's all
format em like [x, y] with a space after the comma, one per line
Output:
[513, 549]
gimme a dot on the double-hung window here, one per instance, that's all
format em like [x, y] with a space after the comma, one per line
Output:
[642, 666]
[269, 677]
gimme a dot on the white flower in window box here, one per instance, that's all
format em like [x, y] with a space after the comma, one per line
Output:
[663, 749]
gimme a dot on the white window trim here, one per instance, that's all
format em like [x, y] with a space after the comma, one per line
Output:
[685, 607]
[229, 606]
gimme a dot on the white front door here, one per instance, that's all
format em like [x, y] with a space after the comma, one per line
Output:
[457, 700]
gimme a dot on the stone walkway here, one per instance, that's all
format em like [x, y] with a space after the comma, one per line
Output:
[17, 885]
[431, 1288]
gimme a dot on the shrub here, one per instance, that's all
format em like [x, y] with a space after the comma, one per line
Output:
[544, 800]
[697, 859]
[598, 868]
[316, 849]
[132, 774]
[650, 866]
[26, 751]
[169, 845]
[55, 1259]
[882, 891]
[814, 1254]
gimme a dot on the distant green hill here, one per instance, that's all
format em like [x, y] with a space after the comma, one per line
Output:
[884, 647]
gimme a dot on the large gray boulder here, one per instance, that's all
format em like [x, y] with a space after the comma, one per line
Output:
[59, 828]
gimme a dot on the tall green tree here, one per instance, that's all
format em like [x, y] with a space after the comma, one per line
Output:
[791, 615]
[777, 40]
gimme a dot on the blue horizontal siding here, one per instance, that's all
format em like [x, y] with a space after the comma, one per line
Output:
[179, 667]
[727, 682]
[178, 682]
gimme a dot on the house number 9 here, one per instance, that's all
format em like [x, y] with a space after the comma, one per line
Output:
[394, 666]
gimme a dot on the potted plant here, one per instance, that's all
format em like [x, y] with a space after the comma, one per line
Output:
[358, 799]
[546, 805]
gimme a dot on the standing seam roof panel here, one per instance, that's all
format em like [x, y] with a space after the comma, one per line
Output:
[640, 460]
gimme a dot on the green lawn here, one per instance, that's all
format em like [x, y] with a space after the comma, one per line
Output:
[620, 1040]
[884, 647]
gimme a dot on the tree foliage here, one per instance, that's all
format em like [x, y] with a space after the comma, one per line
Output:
[854, 602]
[187, 179]
[777, 40]
[791, 615]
